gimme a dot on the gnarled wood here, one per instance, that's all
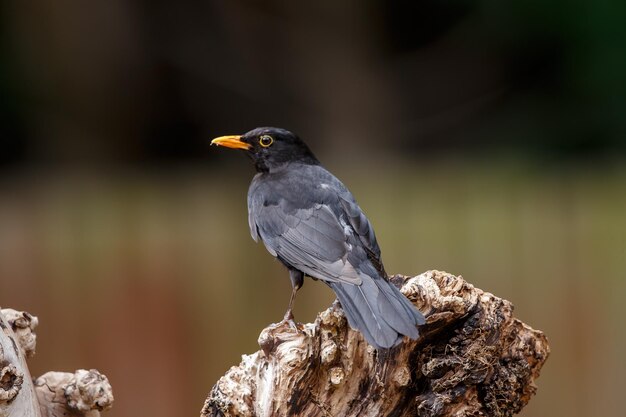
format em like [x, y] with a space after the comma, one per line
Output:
[17, 393]
[54, 394]
[83, 393]
[473, 359]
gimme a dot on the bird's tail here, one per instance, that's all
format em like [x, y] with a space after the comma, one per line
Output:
[379, 310]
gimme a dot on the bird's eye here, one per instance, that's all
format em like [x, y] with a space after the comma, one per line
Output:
[266, 140]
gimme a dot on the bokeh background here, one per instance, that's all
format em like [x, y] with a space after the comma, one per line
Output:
[482, 137]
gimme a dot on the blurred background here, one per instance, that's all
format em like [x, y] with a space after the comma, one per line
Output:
[482, 137]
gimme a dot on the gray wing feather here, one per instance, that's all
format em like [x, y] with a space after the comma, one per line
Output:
[254, 232]
[311, 240]
[363, 229]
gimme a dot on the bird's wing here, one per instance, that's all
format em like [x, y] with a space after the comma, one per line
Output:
[312, 240]
[362, 227]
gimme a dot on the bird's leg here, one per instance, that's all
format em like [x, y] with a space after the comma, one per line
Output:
[297, 279]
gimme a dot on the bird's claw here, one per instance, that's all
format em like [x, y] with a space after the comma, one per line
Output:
[288, 319]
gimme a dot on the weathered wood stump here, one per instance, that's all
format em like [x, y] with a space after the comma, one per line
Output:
[54, 394]
[473, 359]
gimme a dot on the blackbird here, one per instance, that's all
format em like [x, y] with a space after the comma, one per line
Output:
[309, 220]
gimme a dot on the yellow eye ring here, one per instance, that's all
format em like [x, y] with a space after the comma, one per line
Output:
[266, 141]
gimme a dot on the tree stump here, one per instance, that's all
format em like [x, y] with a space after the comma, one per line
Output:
[54, 394]
[473, 359]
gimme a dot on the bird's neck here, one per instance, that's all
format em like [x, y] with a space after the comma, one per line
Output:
[264, 167]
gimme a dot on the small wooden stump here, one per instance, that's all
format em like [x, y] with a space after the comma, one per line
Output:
[54, 394]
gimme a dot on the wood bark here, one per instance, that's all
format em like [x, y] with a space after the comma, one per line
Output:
[473, 359]
[54, 394]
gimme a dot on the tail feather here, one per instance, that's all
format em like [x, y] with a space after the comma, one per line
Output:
[381, 331]
[379, 310]
[397, 310]
[348, 296]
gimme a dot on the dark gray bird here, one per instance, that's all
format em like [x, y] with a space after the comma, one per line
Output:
[310, 221]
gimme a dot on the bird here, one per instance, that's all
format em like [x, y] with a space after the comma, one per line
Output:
[310, 222]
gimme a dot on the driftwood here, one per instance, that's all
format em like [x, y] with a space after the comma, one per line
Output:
[473, 359]
[54, 394]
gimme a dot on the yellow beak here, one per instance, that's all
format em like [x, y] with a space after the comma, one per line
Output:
[232, 141]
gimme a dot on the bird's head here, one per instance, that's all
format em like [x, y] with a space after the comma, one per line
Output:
[269, 147]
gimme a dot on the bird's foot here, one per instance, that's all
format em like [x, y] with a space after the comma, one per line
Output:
[289, 319]
[280, 338]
